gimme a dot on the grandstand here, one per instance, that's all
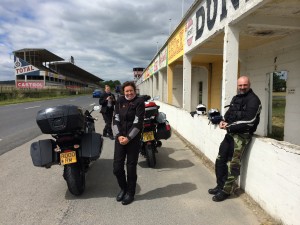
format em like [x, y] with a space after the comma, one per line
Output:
[40, 68]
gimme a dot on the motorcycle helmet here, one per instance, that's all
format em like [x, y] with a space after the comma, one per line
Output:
[201, 109]
[214, 116]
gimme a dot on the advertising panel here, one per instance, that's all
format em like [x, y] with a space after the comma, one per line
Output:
[163, 58]
[150, 69]
[30, 84]
[146, 74]
[175, 46]
[156, 64]
[211, 17]
[55, 75]
[23, 67]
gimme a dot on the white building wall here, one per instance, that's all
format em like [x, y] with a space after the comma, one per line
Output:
[280, 55]
[271, 169]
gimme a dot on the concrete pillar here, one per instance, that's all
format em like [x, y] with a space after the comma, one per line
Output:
[230, 65]
[170, 84]
[154, 82]
[187, 82]
[151, 86]
[160, 85]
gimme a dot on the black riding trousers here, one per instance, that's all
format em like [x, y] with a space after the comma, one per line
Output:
[130, 153]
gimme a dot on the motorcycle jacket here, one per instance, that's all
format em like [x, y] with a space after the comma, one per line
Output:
[243, 114]
[129, 117]
[106, 105]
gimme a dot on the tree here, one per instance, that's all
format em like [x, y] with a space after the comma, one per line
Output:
[279, 84]
[111, 83]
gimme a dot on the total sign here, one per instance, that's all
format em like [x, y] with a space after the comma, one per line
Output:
[22, 67]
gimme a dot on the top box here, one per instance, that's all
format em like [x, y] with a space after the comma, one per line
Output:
[60, 119]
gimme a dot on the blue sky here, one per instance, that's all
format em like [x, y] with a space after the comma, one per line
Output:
[106, 37]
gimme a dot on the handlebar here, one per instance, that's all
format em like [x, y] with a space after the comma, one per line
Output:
[88, 115]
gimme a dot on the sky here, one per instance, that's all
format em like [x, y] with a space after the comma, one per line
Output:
[107, 38]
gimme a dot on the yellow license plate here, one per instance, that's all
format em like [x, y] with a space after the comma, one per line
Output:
[68, 157]
[148, 136]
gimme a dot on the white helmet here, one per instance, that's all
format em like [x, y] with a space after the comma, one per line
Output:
[201, 109]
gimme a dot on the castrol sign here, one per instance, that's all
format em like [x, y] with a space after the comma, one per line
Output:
[30, 84]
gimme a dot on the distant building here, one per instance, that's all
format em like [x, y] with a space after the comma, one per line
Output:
[39, 68]
[137, 72]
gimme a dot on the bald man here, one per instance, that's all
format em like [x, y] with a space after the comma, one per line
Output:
[240, 122]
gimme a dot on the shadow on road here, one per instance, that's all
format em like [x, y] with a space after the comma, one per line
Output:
[100, 181]
[168, 191]
[163, 160]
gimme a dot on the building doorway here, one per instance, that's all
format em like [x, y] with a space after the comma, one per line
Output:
[277, 99]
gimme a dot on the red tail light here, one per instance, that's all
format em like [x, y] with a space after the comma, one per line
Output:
[67, 150]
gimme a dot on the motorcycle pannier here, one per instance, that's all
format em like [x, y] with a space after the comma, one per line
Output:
[91, 145]
[60, 119]
[163, 131]
[42, 153]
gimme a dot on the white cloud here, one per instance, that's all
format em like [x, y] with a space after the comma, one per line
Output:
[106, 37]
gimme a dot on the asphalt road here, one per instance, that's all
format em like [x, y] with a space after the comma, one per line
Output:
[18, 123]
[175, 192]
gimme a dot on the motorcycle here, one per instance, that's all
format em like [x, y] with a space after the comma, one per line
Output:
[156, 127]
[75, 144]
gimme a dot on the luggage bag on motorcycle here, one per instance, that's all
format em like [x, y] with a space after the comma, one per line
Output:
[163, 131]
[42, 153]
[60, 119]
[151, 109]
[91, 145]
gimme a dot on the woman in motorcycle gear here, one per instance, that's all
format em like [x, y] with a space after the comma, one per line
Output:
[127, 125]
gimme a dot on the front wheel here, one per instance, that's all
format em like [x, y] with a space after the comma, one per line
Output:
[150, 156]
[75, 178]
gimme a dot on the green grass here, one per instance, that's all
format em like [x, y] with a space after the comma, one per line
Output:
[278, 111]
[22, 100]
[12, 95]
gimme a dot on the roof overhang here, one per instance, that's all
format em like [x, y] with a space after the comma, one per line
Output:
[74, 71]
[36, 55]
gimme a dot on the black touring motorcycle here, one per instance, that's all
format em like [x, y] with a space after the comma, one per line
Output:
[75, 144]
[156, 128]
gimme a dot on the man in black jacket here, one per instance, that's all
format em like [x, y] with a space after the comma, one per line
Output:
[107, 101]
[241, 121]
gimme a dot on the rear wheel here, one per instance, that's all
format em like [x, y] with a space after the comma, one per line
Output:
[75, 178]
[150, 155]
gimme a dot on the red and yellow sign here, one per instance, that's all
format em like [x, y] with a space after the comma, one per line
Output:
[176, 46]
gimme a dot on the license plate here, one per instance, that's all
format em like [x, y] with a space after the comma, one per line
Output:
[148, 136]
[68, 157]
